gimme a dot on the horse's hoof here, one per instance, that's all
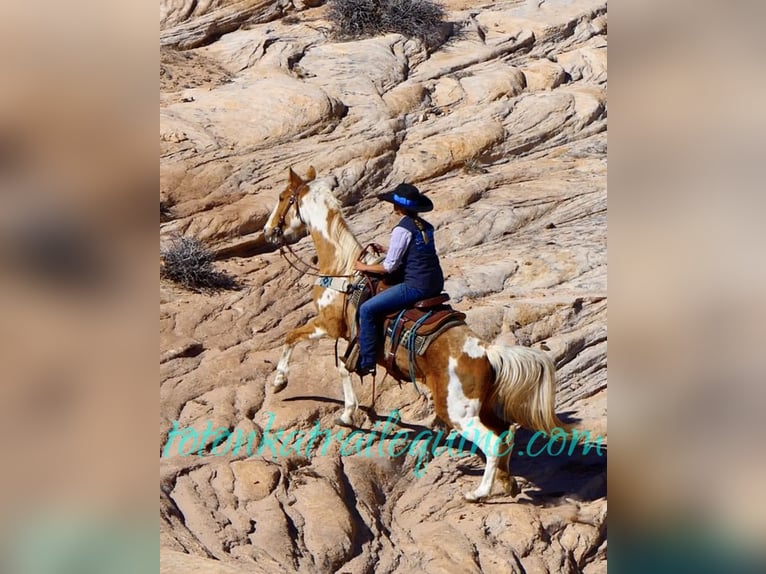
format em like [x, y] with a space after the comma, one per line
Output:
[513, 488]
[473, 497]
[279, 385]
[340, 422]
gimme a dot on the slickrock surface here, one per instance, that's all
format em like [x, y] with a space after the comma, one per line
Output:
[505, 127]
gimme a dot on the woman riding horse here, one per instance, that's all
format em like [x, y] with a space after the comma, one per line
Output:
[483, 390]
[412, 254]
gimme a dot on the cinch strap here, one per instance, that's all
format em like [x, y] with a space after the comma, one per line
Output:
[410, 346]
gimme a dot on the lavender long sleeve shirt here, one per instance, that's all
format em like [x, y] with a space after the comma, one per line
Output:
[400, 240]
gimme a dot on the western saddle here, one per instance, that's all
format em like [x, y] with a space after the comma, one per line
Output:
[412, 329]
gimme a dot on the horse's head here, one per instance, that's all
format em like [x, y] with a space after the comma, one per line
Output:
[286, 215]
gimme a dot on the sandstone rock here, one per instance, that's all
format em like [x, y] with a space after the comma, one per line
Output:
[187, 24]
[447, 92]
[253, 114]
[308, 3]
[173, 562]
[500, 81]
[328, 541]
[358, 73]
[404, 98]
[543, 75]
[178, 347]
[435, 147]
[254, 480]
[586, 63]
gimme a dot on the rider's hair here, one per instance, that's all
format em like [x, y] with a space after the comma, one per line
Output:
[415, 218]
[419, 224]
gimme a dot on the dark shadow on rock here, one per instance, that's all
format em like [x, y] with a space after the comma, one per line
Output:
[314, 398]
[561, 468]
[568, 417]
[556, 469]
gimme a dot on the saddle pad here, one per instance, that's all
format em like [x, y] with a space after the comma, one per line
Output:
[421, 342]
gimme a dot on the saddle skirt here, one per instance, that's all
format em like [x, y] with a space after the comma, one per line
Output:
[413, 330]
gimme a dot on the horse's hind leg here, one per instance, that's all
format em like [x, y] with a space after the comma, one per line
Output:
[464, 415]
[503, 464]
[311, 330]
[473, 429]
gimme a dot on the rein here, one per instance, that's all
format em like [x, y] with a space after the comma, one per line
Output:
[310, 269]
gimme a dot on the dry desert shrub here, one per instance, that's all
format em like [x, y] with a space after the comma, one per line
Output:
[189, 263]
[354, 19]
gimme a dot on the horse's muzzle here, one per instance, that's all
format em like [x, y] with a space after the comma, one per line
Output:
[273, 234]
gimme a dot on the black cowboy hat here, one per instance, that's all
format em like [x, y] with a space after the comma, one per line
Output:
[408, 196]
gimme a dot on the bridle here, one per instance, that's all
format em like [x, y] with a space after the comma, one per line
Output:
[309, 269]
[293, 200]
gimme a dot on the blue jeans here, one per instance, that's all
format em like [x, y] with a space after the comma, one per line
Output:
[373, 310]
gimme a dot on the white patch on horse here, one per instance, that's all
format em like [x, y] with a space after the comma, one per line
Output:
[315, 211]
[327, 298]
[473, 348]
[318, 333]
[271, 224]
[459, 407]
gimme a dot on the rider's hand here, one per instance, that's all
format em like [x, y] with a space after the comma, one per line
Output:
[379, 247]
[359, 266]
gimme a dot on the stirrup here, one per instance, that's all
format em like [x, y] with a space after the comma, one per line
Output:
[351, 356]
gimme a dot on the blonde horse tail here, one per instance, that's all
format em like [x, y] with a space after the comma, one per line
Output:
[524, 389]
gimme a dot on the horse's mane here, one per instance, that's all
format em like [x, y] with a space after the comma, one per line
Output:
[339, 232]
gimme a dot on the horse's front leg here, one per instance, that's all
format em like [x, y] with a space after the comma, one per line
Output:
[350, 401]
[311, 330]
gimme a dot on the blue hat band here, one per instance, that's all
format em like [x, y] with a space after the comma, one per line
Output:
[404, 201]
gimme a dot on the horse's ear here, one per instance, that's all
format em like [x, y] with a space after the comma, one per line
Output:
[311, 174]
[294, 179]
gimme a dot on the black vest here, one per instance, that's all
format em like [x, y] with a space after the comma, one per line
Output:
[421, 268]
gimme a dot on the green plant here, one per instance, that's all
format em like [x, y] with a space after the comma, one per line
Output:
[190, 264]
[362, 18]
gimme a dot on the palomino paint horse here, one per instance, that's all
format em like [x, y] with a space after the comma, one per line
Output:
[484, 391]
